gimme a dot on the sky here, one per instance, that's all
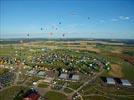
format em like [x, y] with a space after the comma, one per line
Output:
[67, 19]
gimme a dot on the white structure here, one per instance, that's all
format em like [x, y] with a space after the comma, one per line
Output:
[32, 72]
[63, 76]
[41, 74]
[75, 77]
[125, 82]
[110, 81]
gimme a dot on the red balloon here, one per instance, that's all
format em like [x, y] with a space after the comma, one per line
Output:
[51, 33]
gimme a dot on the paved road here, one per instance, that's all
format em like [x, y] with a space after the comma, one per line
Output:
[16, 78]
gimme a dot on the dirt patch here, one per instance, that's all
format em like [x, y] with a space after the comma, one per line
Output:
[93, 49]
[118, 51]
[116, 71]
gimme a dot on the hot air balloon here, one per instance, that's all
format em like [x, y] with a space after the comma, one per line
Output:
[51, 33]
[63, 35]
[59, 22]
[88, 18]
[41, 28]
[27, 34]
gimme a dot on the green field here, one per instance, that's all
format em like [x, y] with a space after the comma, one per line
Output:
[3, 70]
[43, 85]
[11, 92]
[51, 95]
[66, 90]
[74, 85]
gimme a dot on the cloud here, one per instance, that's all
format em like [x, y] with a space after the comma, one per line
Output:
[124, 17]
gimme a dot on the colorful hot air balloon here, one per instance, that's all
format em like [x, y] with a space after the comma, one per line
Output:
[51, 33]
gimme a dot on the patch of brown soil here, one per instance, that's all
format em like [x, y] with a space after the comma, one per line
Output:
[116, 71]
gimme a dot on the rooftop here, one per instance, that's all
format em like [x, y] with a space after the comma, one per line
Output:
[63, 76]
[41, 73]
[75, 77]
[110, 81]
[126, 82]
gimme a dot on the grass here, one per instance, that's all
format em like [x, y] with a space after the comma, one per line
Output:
[105, 48]
[128, 70]
[94, 98]
[124, 98]
[3, 71]
[51, 95]
[115, 91]
[108, 91]
[10, 93]
[43, 85]
[59, 82]
[96, 88]
[74, 85]
[66, 90]
[6, 50]
[130, 53]
[32, 79]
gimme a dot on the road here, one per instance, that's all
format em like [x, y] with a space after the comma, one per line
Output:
[93, 78]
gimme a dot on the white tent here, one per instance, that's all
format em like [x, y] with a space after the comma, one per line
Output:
[63, 76]
[75, 77]
[125, 82]
[110, 81]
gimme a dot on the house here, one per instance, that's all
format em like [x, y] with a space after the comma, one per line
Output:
[110, 81]
[125, 82]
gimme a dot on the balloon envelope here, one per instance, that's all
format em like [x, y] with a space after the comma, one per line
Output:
[41, 28]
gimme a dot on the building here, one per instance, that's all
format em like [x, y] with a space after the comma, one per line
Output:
[32, 72]
[110, 81]
[41, 74]
[63, 76]
[75, 77]
[125, 82]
